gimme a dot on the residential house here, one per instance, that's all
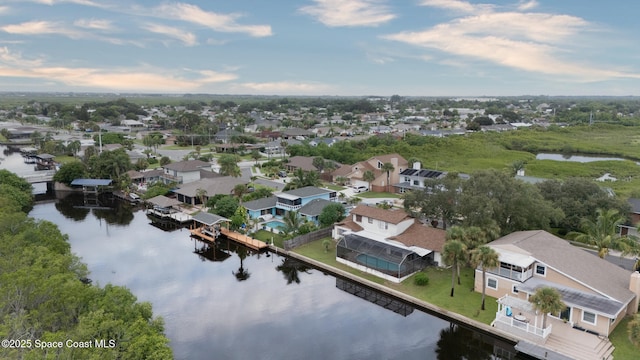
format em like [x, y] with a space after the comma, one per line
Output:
[387, 243]
[142, 179]
[183, 172]
[355, 173]
[598, 294]
[631, 228]
[296, 133]
[189, 193]
[300, 162]
[307, 201]
[416, 178]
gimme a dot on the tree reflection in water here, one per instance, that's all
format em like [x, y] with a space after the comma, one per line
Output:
[459, 343]
[242, 274]
[291, 269]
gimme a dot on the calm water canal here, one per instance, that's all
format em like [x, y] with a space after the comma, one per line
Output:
[227, 303]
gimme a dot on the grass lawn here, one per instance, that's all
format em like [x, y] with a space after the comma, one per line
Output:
[377, 195]
[465, 301]
[266, 236]
[63, 159]
[333, 187]
[625, 350]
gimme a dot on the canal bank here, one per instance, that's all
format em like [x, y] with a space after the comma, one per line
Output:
[524, 348]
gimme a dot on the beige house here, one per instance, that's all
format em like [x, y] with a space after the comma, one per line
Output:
[598, 294]
[355, 172]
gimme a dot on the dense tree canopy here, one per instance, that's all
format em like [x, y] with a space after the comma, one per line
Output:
[47, 296]
[69, 172]
[331, 214]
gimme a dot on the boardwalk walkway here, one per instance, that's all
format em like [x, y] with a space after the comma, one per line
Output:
[246, 240]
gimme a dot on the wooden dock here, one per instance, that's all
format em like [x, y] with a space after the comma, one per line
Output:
[245, 240]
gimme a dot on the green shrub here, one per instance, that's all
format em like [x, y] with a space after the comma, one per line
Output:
[421, 279]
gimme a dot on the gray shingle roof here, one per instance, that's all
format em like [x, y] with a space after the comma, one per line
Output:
[213, 186]
[208, 218]
[190, 165]
[259, 204]
[163, 201]
[314, 207]
[584, 267]
[307, 191]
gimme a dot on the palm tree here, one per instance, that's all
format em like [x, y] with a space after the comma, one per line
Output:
[239, 191]
[603, 232]
[487, 258]
[291, 222]
[242, 274]
[283, 146]
[201, 194]
[369, 176]
[229, 165]
[453, 253]
[291, 269]
[388, 167]
[547, 300]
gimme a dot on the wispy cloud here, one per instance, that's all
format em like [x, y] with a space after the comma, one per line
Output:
[336, 13]
[527, 5]
[218, 22]
[4, 9]
[94, 24]
[144, 78]
[534, 42]
[284, 87]
[458, 6]
[189, 39]
[41, 28]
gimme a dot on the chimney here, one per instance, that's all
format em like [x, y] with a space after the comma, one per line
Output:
[634, 286]
[416, 165]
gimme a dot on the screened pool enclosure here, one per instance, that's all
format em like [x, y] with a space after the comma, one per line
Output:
[386, 258]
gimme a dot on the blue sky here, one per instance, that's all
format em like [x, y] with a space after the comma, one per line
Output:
[322, 47]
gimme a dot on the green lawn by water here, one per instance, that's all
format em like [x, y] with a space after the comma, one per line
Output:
[465, 301]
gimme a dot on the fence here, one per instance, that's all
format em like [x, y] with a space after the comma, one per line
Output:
[307, 238]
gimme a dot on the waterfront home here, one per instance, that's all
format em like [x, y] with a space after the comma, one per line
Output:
[598, 294]
[631, 228]
[387, 243]
[307, 201]
[355, 172]
[183, 172]
[417, 178]
[190, 193]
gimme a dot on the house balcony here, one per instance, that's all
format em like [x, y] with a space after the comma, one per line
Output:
[519, 318]
[511, 274]
[167, 178]
[288, 207]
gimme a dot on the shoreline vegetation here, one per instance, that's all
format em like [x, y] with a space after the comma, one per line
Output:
[49, 304]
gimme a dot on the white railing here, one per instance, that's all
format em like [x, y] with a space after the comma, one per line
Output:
[524, 325]
[289, 207]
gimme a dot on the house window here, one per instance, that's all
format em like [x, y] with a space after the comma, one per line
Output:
[358, 218]
[541, 270]
[416, 182]
[492, 283]
[589, 317]
[514, 289]
[407, 179]
[383, 225]
[370, 220]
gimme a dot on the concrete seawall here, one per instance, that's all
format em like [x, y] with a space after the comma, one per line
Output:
[417, 303]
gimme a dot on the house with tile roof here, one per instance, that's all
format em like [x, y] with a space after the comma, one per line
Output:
[598, 294]
[387, 243]
[355, 172]
[307, 201]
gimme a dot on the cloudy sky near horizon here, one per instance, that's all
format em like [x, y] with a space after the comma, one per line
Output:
[322, 47]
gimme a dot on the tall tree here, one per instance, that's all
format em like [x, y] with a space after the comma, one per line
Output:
[439, 199]
[388, 168]
[229, 165]
[603, 233]
[239, 191]
[490, 197]
[453, 253]
[547, 300]
[292, 222]
[486, 258]
[201, 194]
[369, 177]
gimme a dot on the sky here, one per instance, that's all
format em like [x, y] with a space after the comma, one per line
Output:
[322, 47]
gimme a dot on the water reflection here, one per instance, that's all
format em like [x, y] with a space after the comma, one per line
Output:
[378, 298]
[449, 347]
[209, 252]
[291, 269]
[242, 274]
[76, 206]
